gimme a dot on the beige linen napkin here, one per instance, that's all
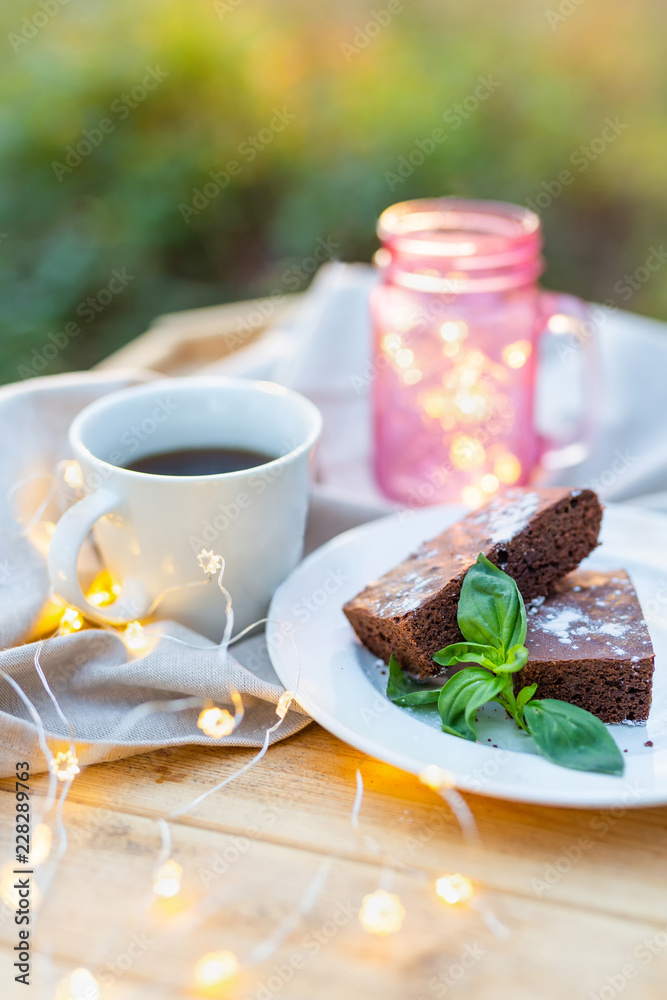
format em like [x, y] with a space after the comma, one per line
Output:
[94, 678]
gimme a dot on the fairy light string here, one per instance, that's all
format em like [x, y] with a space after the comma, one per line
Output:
[218, 722]
[63, 766]
[42, 838]
[263, 951]
[35, 518]
[442, 782]
[167, 878]
[381, 913]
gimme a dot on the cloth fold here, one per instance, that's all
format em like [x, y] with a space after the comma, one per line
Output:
[98, 684]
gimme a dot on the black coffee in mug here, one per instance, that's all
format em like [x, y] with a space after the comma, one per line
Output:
[199, 461]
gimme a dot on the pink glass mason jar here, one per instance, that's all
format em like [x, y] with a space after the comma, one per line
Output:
[457, 319]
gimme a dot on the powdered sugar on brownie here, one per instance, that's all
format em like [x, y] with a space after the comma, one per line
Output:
[559, 624]
[409, 593]
[613, 628]
[503, 521]
[580, 617]
[568, 622]
[588, 644]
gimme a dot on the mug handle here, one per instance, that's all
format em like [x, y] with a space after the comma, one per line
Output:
[71, 532]
[564, 316]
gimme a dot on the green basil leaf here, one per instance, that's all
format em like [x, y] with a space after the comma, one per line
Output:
[491, 610]
[462, 695]
[524, 695]
[467, 652]
[572, 737]
[402, 690]
[516, 659]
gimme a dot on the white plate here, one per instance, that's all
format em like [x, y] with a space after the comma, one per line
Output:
[342, 685]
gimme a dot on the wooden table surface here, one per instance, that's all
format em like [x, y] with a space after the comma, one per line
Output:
[581, 894]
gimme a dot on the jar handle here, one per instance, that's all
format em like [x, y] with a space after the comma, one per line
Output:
[566, 389]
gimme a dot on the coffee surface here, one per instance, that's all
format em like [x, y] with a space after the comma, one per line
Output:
[199, 462]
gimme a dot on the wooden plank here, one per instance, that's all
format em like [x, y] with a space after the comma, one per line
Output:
[182, 342]
[301, 794]
[48, 972]
[96, 915]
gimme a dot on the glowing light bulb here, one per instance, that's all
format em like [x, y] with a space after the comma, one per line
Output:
[436, 777]
[216, 968]
[476, 359]
[209, 562]
[381, 913]
[473, 497]
[70, 621]
[73, 476]
[391, 343]
[452, 331]
[489, 483]
[412, 376]
[466, 452]
[284, 702]
[507, 467]
[467, 377]
[435, 403]
[99, 599]
[515, 355]
[404, 358]
[471, 404]
[454, 889]
[65, 765]
[78, 985]
[559, 323]
[216, 722]
[103, 590]
[134, 637]
[167, 880]
[40, 844]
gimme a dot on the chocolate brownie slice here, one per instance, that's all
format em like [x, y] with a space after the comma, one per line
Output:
[535, 535]
[588, 644]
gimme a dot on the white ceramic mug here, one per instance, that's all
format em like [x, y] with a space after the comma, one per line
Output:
[150, 528]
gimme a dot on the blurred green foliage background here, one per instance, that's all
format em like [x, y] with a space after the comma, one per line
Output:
[364, 82]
